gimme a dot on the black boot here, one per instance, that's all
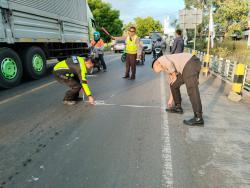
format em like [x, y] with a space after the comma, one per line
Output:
[197, 120]
[176, 109]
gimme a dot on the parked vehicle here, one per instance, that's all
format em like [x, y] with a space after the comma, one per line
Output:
[147, 43]
[32, 32]
[119, 46]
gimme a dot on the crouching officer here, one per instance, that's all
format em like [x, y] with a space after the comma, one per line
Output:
[182, 68]
[72, 72]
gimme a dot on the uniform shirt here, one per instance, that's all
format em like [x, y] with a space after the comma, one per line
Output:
[98, 44]
[75, 69]
[174, 62]
[138, 43]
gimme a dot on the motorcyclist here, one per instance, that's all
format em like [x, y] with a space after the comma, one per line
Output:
[157, 44]
[98, 46]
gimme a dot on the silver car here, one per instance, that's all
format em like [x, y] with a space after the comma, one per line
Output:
[119, 46]
[149, 44]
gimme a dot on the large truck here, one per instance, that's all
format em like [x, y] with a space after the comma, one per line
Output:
[33, 31]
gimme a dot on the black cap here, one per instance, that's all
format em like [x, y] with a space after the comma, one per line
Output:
[154, 62]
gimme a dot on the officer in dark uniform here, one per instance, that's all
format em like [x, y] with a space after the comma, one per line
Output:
[72, 72]
[182, 68]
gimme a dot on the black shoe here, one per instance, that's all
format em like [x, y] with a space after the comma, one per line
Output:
[125, 77]
[195, 121]
[177, 110]
[104, 70]
[132, 78]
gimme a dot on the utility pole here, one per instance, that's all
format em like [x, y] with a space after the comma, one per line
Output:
[248, 44]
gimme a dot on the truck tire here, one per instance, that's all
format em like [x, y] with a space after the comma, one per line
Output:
[34, 62]
[11, 69]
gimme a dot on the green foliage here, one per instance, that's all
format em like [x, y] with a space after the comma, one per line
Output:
[144, 26]
[234, 50]
[232, 15]
[106, 17]
[221, 52]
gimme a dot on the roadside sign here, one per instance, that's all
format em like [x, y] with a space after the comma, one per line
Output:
[189, 19]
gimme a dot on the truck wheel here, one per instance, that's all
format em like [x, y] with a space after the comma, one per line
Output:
[34, 62]
[11, 69]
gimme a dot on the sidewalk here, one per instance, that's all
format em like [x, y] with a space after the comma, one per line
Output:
[219, 153]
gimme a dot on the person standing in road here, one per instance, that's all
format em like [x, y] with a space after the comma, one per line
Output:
[182, 68]
[178, 45]
[133, 53]
[98, 44]
[171, 42]
[72, 73]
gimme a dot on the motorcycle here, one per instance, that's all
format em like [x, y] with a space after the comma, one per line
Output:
[95, 60]
[157, 52]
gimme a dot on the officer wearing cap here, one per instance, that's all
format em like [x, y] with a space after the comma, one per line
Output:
[182, 68]
[72, 72]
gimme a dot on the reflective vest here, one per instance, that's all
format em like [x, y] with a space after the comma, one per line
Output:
[71, 70]
[131, 47]
[99, 44]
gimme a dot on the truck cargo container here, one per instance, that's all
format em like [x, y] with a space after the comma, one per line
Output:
[33, 31]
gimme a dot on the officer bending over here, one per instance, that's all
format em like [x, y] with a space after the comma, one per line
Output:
[182, 68]
[72, 72]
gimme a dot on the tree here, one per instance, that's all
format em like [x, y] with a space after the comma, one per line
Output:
[232, 16]
[106, 17]
[145, 26]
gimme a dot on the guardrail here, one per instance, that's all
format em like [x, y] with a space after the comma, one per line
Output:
[225, 68]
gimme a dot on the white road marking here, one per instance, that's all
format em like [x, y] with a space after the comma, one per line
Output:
[102, 103]
[73, 141]
[26, 93]
[139, 106]
[92, 76]
[167, 170]
[33, 179]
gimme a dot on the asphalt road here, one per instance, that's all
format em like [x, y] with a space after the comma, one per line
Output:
[125, 141]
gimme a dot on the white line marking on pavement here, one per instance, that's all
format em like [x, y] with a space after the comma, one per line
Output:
[167, 171]
[92, 76]
[139, 106]
[102, 103]
[26, 93]
[73, 141]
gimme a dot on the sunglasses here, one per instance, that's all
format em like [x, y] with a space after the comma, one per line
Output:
[132, 31]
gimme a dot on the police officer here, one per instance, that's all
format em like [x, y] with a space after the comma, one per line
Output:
[133, 53]
[72, 72]
[182, 68]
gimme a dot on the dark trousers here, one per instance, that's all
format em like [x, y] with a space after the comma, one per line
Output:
[131, 64]
[102, 61]
[190, 77]
[73, 83]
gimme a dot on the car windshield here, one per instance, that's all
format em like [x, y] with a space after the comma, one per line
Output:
[146, 41]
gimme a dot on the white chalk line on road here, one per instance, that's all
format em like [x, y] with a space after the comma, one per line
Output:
[102, 103]
[26, 93]
[167, 170]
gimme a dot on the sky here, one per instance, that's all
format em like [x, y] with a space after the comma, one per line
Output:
[158, 9]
